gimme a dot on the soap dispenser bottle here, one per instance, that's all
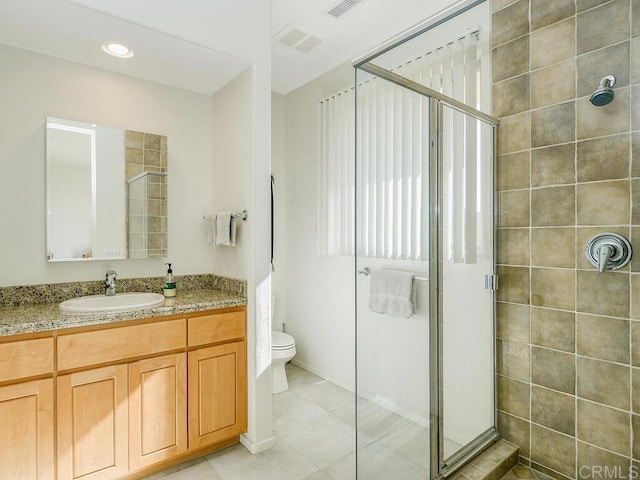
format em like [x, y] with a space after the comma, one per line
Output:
[169, 283]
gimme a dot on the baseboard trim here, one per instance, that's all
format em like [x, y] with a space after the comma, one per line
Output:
[256, 447]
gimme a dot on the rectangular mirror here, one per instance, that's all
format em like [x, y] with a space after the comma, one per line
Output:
[106, 192]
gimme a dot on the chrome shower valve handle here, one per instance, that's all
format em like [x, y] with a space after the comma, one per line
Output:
[608, 251]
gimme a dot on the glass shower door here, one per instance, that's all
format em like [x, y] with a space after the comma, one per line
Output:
[424, 205]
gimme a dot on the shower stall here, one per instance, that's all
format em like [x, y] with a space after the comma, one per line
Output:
[423, 184]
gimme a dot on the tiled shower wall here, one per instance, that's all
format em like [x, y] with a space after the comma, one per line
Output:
[568, 336]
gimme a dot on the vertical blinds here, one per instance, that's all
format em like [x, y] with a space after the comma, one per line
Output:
[391, 171]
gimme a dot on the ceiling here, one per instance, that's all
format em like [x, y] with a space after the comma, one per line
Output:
[202, 44]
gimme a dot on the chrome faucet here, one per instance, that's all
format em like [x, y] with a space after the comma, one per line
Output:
[110, 283]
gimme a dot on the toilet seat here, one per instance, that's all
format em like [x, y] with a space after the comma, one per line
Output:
[281, 341]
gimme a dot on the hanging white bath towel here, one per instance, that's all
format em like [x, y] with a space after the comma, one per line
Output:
[225, 229]
[391, 291]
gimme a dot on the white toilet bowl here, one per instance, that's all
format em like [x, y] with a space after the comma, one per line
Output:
[283, 349]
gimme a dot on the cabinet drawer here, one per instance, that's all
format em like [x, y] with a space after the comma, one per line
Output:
[216, 328]
[26, 358]
[113, 344]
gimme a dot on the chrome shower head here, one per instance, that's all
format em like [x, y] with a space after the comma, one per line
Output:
[604, 93]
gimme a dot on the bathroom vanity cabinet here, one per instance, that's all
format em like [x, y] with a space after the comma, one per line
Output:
[130, 397]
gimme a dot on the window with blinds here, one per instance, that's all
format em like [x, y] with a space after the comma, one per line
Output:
[391, 168]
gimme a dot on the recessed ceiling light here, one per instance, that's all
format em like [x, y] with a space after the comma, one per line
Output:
[117, 50]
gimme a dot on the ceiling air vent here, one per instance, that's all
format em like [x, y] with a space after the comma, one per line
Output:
[294, 37]
[343, 7]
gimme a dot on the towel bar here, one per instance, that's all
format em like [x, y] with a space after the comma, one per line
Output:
[366, 271]
[242, 215]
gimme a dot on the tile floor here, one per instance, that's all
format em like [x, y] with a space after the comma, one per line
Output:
[313, 425]
[520, 472]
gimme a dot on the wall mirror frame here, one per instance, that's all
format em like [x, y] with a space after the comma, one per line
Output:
[106, 192]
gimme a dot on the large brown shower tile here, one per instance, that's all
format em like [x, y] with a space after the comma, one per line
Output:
[553, 165]
[553, 247]
[593, 33]
[553, 409]
[513, 246]
[603, 203]
[511, 96]
[513, 322]
[513, 360]
[513, 396]
[553, 449]
[604, 338]
[553, 125]
[604, 427]
[510, 59]
[513, 208]
[515, 430]
[605, 158]
[603, 382]
[592, 461]
[553, 206]
[553, 329]
[553, 287]
[600, 121]
[603, 294]
[513, 171]
[553, 84]
[552, 369]
[510, 23]
[514, 284]
[553, 44]
[546, 12]
[593, 66]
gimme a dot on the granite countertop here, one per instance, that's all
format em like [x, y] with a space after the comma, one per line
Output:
[40, 317]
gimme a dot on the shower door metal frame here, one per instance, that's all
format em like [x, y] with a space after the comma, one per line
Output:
[440, 466]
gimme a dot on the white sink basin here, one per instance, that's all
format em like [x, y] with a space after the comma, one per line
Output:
[120, 302]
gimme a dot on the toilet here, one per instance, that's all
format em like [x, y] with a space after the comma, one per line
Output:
[283, 349]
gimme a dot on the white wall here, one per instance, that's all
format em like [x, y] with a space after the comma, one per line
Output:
[34, 86]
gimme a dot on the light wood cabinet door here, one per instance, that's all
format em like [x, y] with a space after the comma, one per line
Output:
[26, 427]
[93, 424]
[157, 409]
[217, 393]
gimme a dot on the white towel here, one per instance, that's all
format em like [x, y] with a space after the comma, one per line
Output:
[225, 229]
[391, 291]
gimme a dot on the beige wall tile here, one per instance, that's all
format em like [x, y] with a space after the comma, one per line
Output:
[499, 4]
[553, 409]
[553, 329]
[511, 59]
[134, 156]
[553, 288]
[152, 141]
[513, 171]
[553, 44]
[635, 423]
[592, 33]
[554, 450]
[552, 369]
[635, 296]
[513, 208]
[635, 343]
[515, 430]
[546, 12]
[511, 96]
[605, 158]
[514, 284]
[635, 18]
[513, 246]
[593, 66]
[583, 5]
[600, 121]
[635, 61]
[553, 125]
[513, 360]
[554, 206]
[635, 154]
[513, 322]
[513, 396]
[604, 203]
[510, 23]
[553, 247]
[635, 197]
[553, 84]
[603, 293]
[635, 106]
[554, 165]
[604, 427]
[515, 133]
[635, 391]
[604, 338]
[133, 139]
[590, 456]
[603, 382]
